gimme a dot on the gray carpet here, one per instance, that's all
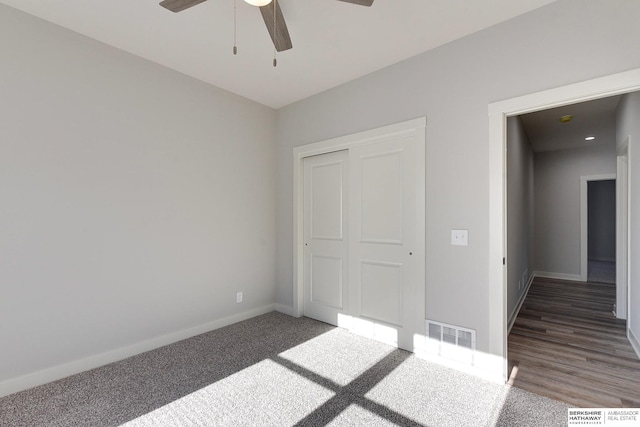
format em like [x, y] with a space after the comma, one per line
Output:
[275, 370]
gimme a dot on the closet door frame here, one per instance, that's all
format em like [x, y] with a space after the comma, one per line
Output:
[415, 128]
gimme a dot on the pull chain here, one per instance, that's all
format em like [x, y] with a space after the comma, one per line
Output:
[275, 32]
[235, 32]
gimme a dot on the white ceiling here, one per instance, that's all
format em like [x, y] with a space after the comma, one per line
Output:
[333, 41]
[592, 118]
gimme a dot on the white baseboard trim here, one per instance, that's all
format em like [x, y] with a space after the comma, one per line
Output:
[516, 309]
[490, 368]
[635, 343]
[560, 276]
[602, 259]
[54, 373]
[285, 309]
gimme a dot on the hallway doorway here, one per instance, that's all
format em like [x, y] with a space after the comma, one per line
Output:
[601, 231]
[499, 112]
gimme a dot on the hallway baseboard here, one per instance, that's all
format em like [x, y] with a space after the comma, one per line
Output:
[516, 310]
[634, 342]
[560, 276]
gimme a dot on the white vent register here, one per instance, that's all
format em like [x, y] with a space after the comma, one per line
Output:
[451, 342]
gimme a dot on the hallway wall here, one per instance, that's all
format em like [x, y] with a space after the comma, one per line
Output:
[520, 214]
[557, 205]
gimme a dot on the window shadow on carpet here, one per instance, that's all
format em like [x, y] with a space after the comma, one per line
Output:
[275, 370]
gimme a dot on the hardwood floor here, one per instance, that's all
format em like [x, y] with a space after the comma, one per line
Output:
[566, 344]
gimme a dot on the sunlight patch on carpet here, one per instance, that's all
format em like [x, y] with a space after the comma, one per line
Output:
[434, 395]
[356, 415]
[245, 398]
[338, 355]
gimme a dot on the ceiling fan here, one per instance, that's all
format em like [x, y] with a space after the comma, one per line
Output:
[271, 14]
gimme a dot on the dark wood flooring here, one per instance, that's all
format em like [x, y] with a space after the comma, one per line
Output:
[566, 344]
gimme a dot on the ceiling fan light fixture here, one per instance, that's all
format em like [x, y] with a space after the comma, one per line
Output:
[258, 2]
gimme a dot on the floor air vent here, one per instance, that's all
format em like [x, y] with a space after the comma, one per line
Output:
[450, 341]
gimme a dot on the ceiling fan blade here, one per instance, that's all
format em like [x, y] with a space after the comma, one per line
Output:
[359, 2]
[179, 5]
[280, 34]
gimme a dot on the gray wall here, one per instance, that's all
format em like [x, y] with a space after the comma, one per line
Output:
[628, 125]
[135, 201]
[452, 86]
[602, 220]
[520, 221]
[134, 198]
[557, 204]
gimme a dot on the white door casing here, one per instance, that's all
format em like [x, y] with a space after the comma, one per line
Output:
[616, 84]
[622, 230]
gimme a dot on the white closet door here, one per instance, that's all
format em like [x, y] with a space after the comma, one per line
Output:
[363, 228]
[384, 258]
[326, 263]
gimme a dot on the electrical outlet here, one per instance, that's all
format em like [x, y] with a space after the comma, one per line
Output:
[239, 297]
[459, 237]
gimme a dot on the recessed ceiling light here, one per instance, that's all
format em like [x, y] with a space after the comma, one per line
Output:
[590, 138]
[258, 2]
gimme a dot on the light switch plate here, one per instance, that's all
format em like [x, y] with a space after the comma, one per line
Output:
[460, 237]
